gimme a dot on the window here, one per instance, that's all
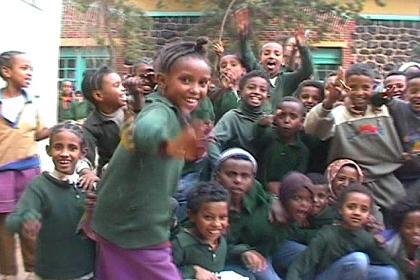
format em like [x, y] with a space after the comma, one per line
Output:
[74, 62]
[326, 60]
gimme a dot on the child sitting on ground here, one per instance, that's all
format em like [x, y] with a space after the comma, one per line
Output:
[404, 247]
[279, 148]
[50, 210]
[200, 250]
[336, 248]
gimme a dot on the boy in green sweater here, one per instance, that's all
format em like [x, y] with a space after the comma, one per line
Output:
[346, 249]
[271, 60]
[50, 210]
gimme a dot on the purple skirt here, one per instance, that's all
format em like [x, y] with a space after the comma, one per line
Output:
[151, 263]
[12, 185]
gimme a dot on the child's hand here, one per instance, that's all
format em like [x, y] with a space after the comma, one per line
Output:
[31, 228]
[88, 180]
[335, 91]
[204, 274]
[301, 38]
[218, 48]
[277, 213]
[266, 120]
[228, 81]
[242, 20]
[254, 261]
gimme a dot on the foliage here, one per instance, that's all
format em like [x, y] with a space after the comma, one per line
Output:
[119, 22]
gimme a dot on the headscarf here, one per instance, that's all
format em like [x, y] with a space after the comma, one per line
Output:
[336, 166]
[237, 153]
[293, 183]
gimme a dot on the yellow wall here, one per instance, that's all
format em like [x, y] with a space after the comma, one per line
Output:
[392, 7]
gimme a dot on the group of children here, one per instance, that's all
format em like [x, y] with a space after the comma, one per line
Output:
[72, 104]
[269, 175]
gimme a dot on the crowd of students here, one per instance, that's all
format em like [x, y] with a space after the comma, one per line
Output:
[253, 170]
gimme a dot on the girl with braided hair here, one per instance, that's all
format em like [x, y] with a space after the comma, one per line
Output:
[133, 209]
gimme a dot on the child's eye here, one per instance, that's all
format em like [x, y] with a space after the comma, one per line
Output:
[204, 83]
[186, 80]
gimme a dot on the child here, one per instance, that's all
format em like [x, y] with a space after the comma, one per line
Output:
[20, 127]
[396, 81]
[104, 90]
[279, 147]
[252, 238]
[320, 207]
[133, 209]
[271, 60]
[407, 121]
[345, 249]
[200, 251]
[80, 107]
[65, 102]
[361, 133]
[231, 70]
[310, 93]
[236, 127]
[51, 207]
[404, 247]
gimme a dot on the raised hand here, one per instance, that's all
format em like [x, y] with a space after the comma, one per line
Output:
[242, 21]
[219, 49]
[300, 37]
[336, 91]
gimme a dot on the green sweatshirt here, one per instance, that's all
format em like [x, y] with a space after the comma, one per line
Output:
[286, 82]
[322, 252]
[61, 252]
[223, 101]
[188, 251]
[251, 229]
[133, 209]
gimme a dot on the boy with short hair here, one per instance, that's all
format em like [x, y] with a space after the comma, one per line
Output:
[280, 148]
[360, 132]
[310, 93]
[271, 60]
[397, 81]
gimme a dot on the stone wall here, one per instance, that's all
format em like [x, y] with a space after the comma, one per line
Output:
[385, 44]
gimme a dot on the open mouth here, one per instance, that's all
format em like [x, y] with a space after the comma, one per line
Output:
[271, 65]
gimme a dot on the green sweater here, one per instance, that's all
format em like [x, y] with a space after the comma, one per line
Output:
[188, 250]
[275, 157]
[251, 229]
[133, 209]
[332, 243]
[286, 82]
[61, 252]
[223, 101]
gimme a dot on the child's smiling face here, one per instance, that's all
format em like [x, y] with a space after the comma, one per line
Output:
[410, 229]
[361, 91]
[272, 58]
[255, 91]
[65, 150]
[211, 220]
[355, 210]
[345, 176]
[320, 198]
[186, 83]
[413, 94]
[398, 82]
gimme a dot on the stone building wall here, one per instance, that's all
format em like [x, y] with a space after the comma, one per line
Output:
[385, 44]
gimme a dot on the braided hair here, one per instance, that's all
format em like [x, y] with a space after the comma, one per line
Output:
[170, 53]
[93, 81]
[6, 60]
[70, 126]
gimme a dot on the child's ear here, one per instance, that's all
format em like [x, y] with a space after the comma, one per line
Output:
[190, 215]
[161, 80]
[84, 151]
[48, 150]
[97, 95]
[5, 71]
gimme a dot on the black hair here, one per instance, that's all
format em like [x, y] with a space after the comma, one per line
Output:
[332, 73]
[170, 53]
[354, 188]
[400, 210]
[291, 184]
[206, 192]
[238, 57]
[93, 81]
[317, 178]
[412, 75]
[253, 74]
[309, 83]
[360, 69]
[71, 126]
[395, 73]
[292, 99]
[6, 60]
